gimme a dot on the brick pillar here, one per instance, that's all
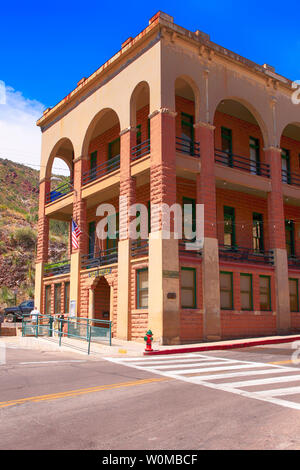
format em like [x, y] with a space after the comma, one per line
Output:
[79, 216]
[127, 197]
[42, 244]
[276, 224]
[164, 311]
[206, 194]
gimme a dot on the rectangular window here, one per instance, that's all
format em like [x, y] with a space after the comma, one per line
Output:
[265, 292]
[188, 288]
[226, 290]
[246, 291]
[57, 298]
[93, 164]
[67, 297]
[114, 149]
[254, 155]
[187, 133]
[226, 142]
[294, 296]
[142, 288]
[285, 166]
[112, 241]
[92, 237]
[189, 218]
[229, 226]
[290, 237]
[48, 300]
[257, 232]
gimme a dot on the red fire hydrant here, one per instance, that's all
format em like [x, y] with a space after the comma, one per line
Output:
[148, 338]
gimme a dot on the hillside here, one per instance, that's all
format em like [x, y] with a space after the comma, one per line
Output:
[18, 231]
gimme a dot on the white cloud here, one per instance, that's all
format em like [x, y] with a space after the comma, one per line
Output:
[20, 138]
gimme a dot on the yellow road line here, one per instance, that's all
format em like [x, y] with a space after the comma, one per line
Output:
[290, 361]
[80, 391]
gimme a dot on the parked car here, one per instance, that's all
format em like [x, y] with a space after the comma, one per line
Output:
[12, 314]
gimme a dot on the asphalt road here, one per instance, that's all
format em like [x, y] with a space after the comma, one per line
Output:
[59, 400]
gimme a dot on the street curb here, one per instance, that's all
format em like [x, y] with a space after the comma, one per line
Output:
[219, 347]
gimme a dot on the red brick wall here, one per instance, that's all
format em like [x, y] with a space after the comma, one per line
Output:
[294, 147]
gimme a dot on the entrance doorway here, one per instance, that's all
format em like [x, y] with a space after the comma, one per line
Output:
[102, 300]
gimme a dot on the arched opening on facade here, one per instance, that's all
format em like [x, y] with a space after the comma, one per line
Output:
[290, 175]
[139, 112]
[59, 170]
[187, 107]
[240, 137]
[59, 174]
[101, 147]
[102, 300]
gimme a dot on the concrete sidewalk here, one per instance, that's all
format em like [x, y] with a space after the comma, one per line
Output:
[121, 348]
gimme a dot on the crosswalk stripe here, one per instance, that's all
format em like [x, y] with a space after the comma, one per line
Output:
[153, 358]
[206, 360]
[250, 383]
[213, 369]
[279, 391]
[204, 364]
[240, 374]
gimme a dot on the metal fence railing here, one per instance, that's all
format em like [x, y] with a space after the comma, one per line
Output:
[86, 329]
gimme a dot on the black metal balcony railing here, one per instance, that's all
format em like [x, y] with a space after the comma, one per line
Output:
[101, 170]
[187, 146]
[58, 192]
[140, 150]
[294, 261]
[235, 253]
[290, 178]
[186, 248]
[54, 269]
[139, 248]
[101, 258]
[242, 163]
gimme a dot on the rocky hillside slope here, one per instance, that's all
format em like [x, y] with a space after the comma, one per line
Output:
[18, 231]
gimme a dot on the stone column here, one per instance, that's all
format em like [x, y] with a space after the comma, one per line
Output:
[42, 244]
[164, 309]
[206, 194]
[79, 216]
[276, 222]
[127, 197]
[91, 302]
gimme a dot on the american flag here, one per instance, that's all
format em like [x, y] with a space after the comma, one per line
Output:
[76, 232]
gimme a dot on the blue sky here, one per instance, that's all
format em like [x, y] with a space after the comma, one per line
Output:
[47, 47]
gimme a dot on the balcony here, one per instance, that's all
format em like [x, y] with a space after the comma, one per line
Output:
[101, 170]
[189, 147]
[294, 261]
[187, 248]
[140, 150]
[101, 258]
[55, 269]
[58, 192]
[235, 253]
[242, 163]
[139, 248]
[290, 178]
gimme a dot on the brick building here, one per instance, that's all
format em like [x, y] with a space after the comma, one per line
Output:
[174, 117]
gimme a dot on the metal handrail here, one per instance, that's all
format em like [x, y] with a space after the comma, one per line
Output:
[140, 150]
[58, 192]
[293, 261]
[290, 178]
[190, 147]
[139, 248]
[242, 163]
[101, 170]
[239, 253]
[185, 250]
[100, 258]
[60, 267]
